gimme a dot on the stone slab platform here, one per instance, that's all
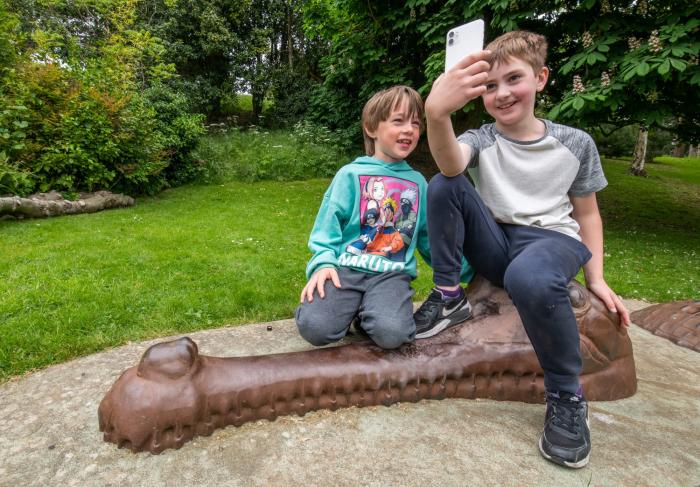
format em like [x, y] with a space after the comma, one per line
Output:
[49, 433]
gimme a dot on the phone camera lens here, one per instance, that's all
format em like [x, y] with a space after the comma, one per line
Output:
[451, 41]
[451, 34]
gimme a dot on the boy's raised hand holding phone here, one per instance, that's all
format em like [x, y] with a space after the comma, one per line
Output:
[466, 69]
[461, 84]
[466, 72]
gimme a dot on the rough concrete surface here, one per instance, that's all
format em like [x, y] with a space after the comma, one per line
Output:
[49, 433]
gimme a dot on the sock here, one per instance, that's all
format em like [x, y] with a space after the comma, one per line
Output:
[457, 293]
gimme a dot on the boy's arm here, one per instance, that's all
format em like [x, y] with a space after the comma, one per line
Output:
[450, 92]
[326, 236]
[591, 230]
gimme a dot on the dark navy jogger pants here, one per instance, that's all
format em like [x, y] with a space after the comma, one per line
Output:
[532, 264]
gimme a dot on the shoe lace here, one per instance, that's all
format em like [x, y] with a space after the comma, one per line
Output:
[427, 309]
[567, 414]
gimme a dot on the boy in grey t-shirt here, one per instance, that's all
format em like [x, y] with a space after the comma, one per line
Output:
[529, 225]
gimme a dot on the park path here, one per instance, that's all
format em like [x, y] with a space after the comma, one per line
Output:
[49, 433]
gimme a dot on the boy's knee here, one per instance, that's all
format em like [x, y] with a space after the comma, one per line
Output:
[527, 285]
[443, 188]
[311, 328]
[438, 186]
[392, 335]
[391, 341]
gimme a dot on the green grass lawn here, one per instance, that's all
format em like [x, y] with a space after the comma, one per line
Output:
[198, 257]
[244, 103]
[193, 257]
[652, 230]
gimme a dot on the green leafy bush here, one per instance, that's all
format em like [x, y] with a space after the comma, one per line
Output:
[96, 113]
[66, 135]
[291, 90]
[74, 135]
[178, 130]
[13, 127]
[13, 181]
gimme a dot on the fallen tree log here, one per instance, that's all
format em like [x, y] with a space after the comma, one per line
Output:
[43, 205]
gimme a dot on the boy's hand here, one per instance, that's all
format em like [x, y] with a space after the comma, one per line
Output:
[317, 281]
[460, 85]
[611, 300]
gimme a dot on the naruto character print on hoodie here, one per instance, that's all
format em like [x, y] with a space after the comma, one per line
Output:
[388, 209]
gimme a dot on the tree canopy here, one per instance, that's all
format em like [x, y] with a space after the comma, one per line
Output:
[624, 64]
[613, 63]
[112, 93]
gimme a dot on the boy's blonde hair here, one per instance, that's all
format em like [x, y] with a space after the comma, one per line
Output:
[520, 44]
[380, 106]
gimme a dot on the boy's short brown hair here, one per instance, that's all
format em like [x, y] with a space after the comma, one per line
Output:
[520, 44]
[380, 106]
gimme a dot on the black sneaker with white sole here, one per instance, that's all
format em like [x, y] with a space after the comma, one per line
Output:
[566, 439]
[437, 314]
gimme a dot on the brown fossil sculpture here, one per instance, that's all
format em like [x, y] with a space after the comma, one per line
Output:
[174, 393]
[678, 321]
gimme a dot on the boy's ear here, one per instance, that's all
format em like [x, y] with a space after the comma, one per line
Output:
[370, 133]
[542, 77]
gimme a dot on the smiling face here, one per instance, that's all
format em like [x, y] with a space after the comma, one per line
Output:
[397, 136]
[511, 89]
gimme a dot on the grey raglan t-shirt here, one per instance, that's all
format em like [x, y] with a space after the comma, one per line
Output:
[529, 183]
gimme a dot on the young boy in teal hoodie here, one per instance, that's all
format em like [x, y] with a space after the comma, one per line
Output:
[371, 221]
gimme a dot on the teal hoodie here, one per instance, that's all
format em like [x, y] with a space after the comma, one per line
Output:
[372, 219]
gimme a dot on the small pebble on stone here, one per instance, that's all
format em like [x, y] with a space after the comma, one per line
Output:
[269, 328]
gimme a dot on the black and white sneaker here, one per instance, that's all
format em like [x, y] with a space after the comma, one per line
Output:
[566, 439]
[437, 314]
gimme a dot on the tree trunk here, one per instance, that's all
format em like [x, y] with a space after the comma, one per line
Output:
[258, 90]
[680, 150]
[693, 151]
[290, 38]
[640, 152]
[257, 107]
[52, 204]
[274, 56]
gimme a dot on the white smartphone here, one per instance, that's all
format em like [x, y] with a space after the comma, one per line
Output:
[463, 41]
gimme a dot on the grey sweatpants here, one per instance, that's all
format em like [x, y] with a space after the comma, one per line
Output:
[382, 301]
